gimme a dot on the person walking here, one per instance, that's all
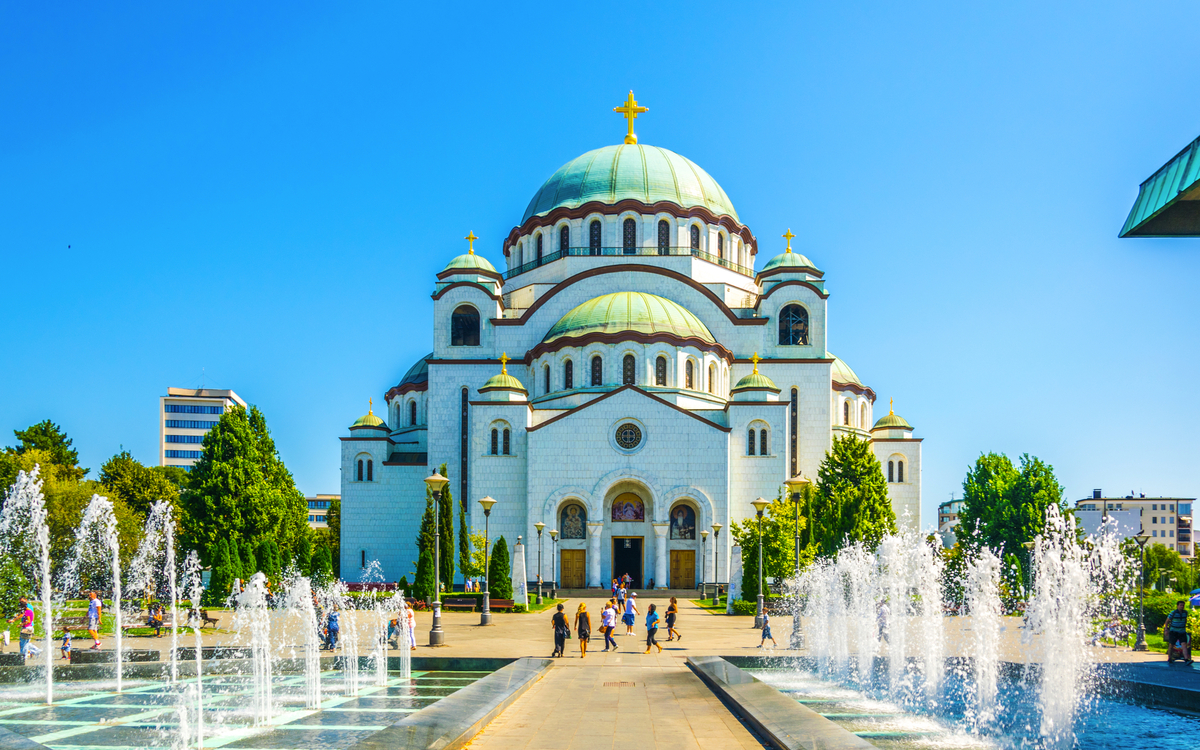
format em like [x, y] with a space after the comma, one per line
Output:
[766, 631]
[583, 626]
[333, 629]
[615, 586]
[26, 632]
[561, 632]
[652, 629]
[95, 607]
[411, 619]
[631, 611]
[621, 595]
[672, 614]
[66, 643]
[608, 621]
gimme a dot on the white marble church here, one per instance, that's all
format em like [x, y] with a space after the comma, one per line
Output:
[630, 380]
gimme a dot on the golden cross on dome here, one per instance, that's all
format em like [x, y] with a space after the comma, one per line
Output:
[891, 408]
[631, 109]
[471, 239]
[755, 359]
[789, 236]
[504, 363]
[370, 406]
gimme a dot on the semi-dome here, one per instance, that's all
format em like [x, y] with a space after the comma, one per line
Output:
[841, 373]
[630, 171]
[630, 311]
[470, 262]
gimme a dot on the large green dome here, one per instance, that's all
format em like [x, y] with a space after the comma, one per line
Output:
[615, 173]
[630, 311]
[841, 372]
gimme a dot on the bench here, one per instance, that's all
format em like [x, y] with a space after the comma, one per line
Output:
[143, 621]
[459, 604]
[500, 603]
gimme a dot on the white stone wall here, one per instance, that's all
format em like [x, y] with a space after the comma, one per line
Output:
[906, 495]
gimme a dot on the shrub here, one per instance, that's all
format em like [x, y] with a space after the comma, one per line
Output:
[1158, 605]
[743, 607]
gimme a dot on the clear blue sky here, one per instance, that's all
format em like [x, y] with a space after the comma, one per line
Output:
[263, 192]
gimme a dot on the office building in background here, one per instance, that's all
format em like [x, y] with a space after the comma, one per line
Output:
[185, 416]
[318, 506]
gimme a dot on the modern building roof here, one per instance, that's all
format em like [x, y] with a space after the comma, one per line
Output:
[204, 393]
[630, 171]
[630, 311]
[1168, 202]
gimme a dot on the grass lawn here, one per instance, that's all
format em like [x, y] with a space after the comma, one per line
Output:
[547, 603]
[708, 606]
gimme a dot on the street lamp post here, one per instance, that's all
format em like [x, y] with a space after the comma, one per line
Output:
[485, 616]
[798, 487]
[436, 483]
[716, 527]
[554, 563]
[703, 561]
[539, 526]
[1141, 538]
[759, 506]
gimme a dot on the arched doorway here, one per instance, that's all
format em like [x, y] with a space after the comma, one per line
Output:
[627, 521]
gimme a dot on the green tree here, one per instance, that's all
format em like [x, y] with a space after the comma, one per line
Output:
[1004, 507]
[500, 571]
[779, 545]
[1163, 562]
[49, 437]
[240, 489]
[425, 530]
[851, 501]
[176, 475]
[13, 585]
[302, 560]
[464, 543]
[333, 519]
[140, 486]
[473, 566]
[322, 565]
[423, 583]
[267, 557]
[249, 563]
[446, 529]
[220, 583]
[323, 539]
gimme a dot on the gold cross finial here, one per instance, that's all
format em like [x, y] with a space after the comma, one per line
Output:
[504, 364]
[370, 406]
[788, 236]
[755, 359]
[631, 110]
[471, 239]
[891, 409]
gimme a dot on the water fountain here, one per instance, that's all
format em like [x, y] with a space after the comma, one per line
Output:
[254, 620]
[97, 535]
[191, 568]
[25, 535]
[154, 566]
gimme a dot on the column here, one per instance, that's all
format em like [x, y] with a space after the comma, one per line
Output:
[594, 531]
[660, 555]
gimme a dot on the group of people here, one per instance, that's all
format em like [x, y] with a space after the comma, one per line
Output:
[623, 608]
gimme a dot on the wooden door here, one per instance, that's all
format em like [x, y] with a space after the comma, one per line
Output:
[683, 569]
[572, 564]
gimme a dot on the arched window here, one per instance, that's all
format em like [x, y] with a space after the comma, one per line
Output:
[793, 326]
[564, 239]
[712, 379]
[764, 448]
[360, 470]
[594, 238]
[412, 413]
[568, 374]
[862, 416]
[629, 237]
[720, 246]
[695, 237]
[664, 237]
[597, 371]
[750, 443]
[539, 250]
[628, 368]
[507, 442]
[660, 371]
[689, 375]
[846, 413]
[891, 471]
[495, 442]
[464, 326]
[370, 470]
[520, 252]
[900, 471]
[546, 370]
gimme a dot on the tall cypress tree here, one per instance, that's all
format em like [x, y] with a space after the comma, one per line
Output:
[464, 541]
[446, 529]
[500, 571]
[221, 581]
[249, 564]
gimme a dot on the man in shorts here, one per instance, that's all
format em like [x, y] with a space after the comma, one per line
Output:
[1175, 631]
[93, 619]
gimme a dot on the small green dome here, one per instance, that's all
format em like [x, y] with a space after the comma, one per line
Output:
[369, 420]
[644, 173]
[470, 262]
[755, 381]
[630, 311]
[841, 373]
[503, 381]
[892, 421]
[788, 260]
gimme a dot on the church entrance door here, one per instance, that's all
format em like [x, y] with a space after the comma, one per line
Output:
[683, 568]
[573, 567]
[627, 558]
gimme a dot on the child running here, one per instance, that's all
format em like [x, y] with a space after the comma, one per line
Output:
[66, 644]
[766, 631]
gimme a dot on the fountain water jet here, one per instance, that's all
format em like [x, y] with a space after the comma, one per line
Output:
[191, 567]
[157, 553]
[982, 593]
[98, 532]
[24, 533]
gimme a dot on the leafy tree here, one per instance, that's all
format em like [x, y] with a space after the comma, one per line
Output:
[500, 571]
[267, 556]
[240, 489]
[249, 563]
[1004, 507]
[13, 585]
[779, 545]
[176, 475]
[49, 437]
[140, 486]
[302, 559]
[1163, 561]
[220, 583]
[851, 501]
[425, 530]
[473, 565]
[403, 585]
[446, 530]
[322, 565]
[323, 539]
[423, 584]
[333, 519]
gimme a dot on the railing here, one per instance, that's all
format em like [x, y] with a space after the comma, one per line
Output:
[622, 251]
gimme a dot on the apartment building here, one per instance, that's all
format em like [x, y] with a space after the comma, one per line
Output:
[185, 416]
[318, 507]
[1166, 520]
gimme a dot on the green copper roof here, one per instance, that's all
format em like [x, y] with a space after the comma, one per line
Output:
[892, 421]
[1168, 203]
[470, 262]
[841, 372]
[630, 311]
[369, 420]
[505, 381]
[418, 373]
[789, 260]
[755, 380]
[615, 173]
